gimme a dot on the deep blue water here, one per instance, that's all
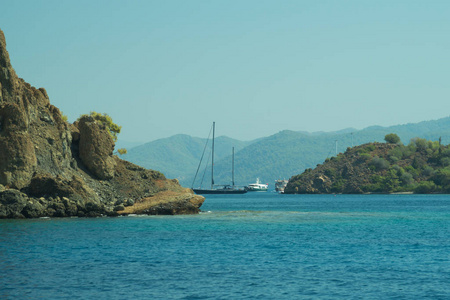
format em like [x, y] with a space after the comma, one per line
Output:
[253, 246]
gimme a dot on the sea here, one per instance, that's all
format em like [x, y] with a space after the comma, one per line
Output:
[260, 245]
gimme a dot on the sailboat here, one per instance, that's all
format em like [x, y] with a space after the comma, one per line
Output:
[219, 189]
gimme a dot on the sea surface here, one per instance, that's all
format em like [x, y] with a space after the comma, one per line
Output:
[252, 246]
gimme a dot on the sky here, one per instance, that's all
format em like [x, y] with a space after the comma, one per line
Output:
[255, 67]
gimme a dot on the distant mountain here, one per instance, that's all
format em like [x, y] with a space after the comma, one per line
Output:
[178, 156]
[278, 156]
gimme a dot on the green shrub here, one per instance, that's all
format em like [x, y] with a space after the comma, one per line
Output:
[419, 163]
[379, 163]
[338, 186]
[410, 169]
[392, 138]
[370, 148]
[393, 158]
[409, 150]
[445, 161]
[442, 178]
[392, 181]
[398, 170]
[406, 178]
[330, 172]
[376, 178]
[365, 156]
[446, 152]
[122, 151]
[425, 187]
[421, 144]
[428, 171]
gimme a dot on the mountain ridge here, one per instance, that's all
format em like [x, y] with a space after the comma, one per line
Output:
[283, 154]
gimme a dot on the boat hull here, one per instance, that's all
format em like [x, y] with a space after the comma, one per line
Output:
[218, 191]
[257, 189]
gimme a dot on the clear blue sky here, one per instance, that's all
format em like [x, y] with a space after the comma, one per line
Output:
[165, 67]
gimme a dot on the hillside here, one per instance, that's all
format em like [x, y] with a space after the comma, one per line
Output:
[179, 155]
[420, 167]
[278, 156]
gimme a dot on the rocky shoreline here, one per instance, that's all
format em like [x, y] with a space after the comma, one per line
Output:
[18, 205]
[50, 168]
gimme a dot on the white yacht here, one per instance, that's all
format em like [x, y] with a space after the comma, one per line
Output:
[257, 187]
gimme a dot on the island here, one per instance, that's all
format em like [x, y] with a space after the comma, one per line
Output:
[421, 167]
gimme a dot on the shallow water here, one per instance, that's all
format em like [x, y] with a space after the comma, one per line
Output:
[257, 245]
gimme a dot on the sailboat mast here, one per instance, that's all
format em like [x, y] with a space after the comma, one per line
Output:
[232, 168]
[212, 157]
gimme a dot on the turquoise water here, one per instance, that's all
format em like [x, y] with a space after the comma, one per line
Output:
[252, 246]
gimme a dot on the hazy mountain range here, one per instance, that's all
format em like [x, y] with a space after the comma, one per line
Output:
[278, 156]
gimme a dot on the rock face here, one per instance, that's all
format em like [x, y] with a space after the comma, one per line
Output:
[96, 148]
[49, 167]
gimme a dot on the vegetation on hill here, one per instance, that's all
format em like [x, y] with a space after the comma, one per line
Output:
[422, 166]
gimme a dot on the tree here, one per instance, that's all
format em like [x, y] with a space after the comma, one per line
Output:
[421, 144]
[122, 151]
[392, 138]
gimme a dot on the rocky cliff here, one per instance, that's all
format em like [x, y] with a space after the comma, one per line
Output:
[49, 167]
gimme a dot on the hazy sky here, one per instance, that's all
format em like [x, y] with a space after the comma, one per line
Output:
[160, 68]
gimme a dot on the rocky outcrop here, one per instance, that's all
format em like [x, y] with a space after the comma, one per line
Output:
[96, 148]
[12, 203]
[167, 202]
[49, 167]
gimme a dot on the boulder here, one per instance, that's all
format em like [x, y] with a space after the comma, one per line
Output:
[119, 207]
[12, 202]
[96, 148]
[34, 209]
